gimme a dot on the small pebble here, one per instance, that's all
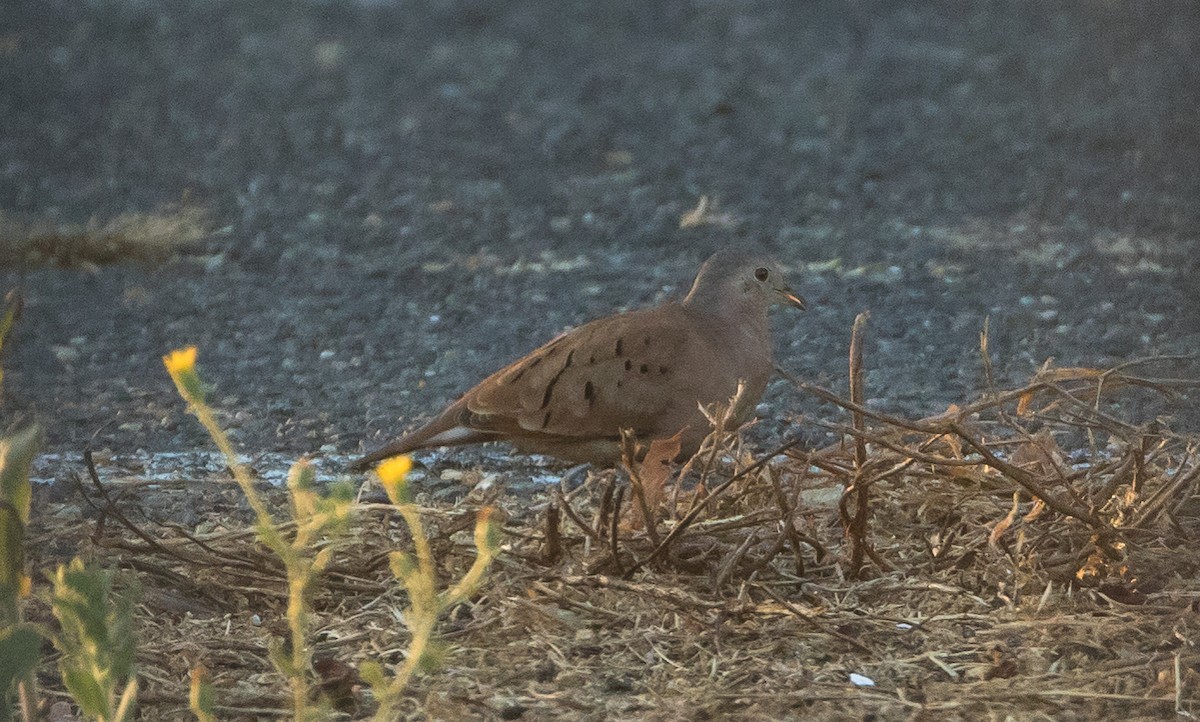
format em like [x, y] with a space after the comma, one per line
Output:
[859, 680]
[585, 636]
[65, 354]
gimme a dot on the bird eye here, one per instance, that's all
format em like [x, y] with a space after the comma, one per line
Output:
[761, 274]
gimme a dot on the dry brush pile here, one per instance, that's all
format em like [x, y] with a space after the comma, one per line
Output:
[1031, 553]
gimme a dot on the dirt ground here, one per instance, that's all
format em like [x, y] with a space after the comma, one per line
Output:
[400, 197]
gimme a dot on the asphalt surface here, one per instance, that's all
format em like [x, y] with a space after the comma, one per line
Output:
[403, 196]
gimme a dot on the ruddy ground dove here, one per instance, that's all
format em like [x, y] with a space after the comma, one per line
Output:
[648, 371]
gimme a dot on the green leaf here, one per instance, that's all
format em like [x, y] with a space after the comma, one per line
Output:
[128, 703]
[322, 559]
[270, 538]
[403, 566]
[20, 647]
[302, 475]
[121, 633]
[81, 603]
[11, 312]
[487, 533]
[86, 690]
[433, 657]
[341, 492]
[12, 563]
[280, 658]
[301, 481]
[372, 673]
[338, 504]
[200, 697]
[16, 454]
[96, 640]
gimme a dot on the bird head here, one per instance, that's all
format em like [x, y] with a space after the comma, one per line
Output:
[737, 278]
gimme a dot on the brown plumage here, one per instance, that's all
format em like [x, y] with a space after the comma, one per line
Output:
[648, 371]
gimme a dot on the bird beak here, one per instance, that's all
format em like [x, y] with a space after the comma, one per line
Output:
[791, 298]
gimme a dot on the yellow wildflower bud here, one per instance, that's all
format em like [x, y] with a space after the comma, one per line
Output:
[181, 359]
[392, 473]
[181, 364]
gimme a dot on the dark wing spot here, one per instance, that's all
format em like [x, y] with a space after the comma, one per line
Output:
[620, 346]
[618, 384]
[550, 386]
[646, 341]
[644, 368]
[628, 364]
[663, 370]
[592, 359]
[589, 393]
[546, 420]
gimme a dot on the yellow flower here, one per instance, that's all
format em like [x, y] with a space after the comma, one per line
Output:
[181, 364]
[392, 474]
[394, 469]
[181, 360]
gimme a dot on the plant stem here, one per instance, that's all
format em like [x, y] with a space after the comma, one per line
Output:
[298, 628]
[298, 576]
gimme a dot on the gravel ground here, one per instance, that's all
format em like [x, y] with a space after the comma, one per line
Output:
[403, 196]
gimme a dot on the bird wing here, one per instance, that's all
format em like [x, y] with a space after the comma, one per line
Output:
[615, 373]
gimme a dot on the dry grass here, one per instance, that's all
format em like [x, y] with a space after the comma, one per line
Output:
[966, 564]
[148, 237]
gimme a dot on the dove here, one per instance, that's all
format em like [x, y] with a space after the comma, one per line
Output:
[647, 371]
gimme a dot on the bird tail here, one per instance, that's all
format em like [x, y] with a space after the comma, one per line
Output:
[449, 429]
[395, 448]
